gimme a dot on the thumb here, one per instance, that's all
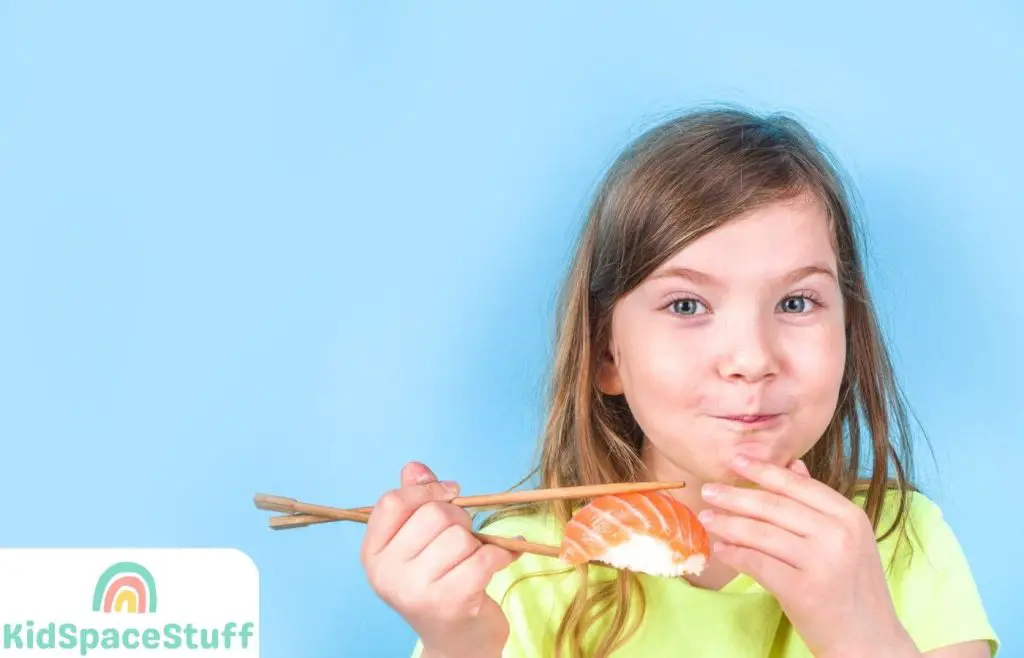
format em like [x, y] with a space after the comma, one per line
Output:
[415, 473]
[799, 467]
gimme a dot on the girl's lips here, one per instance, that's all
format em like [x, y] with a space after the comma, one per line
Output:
[753, 420]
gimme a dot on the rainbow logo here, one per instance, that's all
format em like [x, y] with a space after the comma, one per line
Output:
[125, 587]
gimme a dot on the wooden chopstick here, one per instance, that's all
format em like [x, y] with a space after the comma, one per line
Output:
[511, 498]
[291, 521]
[299, 514]
[557, 493]
[280, 504]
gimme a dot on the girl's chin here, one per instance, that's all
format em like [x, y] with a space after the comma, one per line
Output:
[762, 450]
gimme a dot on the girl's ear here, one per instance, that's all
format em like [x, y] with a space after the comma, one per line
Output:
[608, 380]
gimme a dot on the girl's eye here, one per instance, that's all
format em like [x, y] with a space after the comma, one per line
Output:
[797, 304]
[686, 306]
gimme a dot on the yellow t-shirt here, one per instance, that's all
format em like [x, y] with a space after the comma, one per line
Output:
[934, 594]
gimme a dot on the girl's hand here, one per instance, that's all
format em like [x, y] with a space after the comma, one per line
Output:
[815, 551]
[422, 559]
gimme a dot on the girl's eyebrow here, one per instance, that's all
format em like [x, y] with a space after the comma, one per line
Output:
[810, 270]
[705, 279]
[695, 276]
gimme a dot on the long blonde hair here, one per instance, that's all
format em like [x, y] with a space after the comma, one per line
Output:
[675, 183]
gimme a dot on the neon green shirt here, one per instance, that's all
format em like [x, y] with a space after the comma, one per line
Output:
[934, 593]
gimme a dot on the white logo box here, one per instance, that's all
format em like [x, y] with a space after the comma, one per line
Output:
[110, 602]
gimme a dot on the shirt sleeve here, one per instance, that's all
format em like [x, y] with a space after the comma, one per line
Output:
[934, 591]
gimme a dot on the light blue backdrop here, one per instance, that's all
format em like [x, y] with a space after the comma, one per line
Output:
[287, 246]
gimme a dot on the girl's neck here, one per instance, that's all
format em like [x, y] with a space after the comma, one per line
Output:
[716, 575]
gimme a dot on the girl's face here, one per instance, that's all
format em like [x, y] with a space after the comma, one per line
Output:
[735, 344]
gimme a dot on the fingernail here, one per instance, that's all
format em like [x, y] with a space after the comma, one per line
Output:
[710, 491]
[423, 473]
[706, 516]
[450, 486]
[520, 538]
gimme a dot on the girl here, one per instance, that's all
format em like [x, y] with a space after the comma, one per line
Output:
[715, 328]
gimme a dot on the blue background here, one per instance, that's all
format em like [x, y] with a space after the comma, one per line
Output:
[288, 246]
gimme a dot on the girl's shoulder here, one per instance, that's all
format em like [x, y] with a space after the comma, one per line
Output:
[933, 586]
[918, 541]
[922, 526]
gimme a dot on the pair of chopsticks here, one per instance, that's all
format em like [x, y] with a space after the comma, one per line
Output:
[298, 514]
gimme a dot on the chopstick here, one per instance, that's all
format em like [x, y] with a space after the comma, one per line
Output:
[303, 518]
[291, 521]
[323, 513]
[298, 514]
[558, 493]
[282, 504]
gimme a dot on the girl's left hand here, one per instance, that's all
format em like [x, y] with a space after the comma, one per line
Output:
[815, 551]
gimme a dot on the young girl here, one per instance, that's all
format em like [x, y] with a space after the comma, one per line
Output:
[715, 328]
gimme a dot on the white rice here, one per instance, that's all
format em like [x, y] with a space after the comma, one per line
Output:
[649, 555]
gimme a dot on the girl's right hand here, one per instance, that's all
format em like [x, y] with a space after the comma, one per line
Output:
[422, 559]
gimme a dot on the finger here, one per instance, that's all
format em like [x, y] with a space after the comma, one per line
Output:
[394, 509]
[453, 545]
[428, 522]
[764, 505]
[799, 467]
[476, 571]
[751, 533]
[415, 473]
[774, 575]
[783, 481]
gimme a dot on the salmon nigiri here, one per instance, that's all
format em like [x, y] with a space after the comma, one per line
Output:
[649, 532]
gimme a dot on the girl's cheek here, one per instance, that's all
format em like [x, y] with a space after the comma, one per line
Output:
[816, 363]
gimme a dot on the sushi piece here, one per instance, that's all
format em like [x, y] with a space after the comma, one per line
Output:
[647, 532]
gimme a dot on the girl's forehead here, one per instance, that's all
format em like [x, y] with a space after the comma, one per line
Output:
[768, 242]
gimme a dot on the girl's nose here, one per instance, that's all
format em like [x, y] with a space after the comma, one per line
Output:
[747, 352]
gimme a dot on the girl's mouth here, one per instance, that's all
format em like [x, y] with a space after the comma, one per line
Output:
[753, 420]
